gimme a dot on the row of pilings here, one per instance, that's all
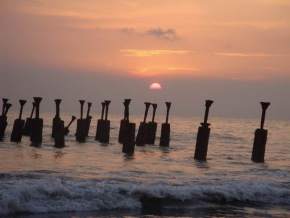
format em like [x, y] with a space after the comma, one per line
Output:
[32, 127]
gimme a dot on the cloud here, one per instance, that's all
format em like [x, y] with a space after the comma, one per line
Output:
[150, 53]
[169, 34]
[239, 54]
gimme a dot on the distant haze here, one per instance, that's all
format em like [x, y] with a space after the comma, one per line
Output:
[234, 52]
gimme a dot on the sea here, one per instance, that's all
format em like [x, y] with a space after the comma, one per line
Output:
[97, 180]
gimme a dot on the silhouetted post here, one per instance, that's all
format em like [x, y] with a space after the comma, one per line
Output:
[66, 129]
[56, 118]
[81, 125]
[152, 128]
[128, 132]
[58, 130]
[18, 125]
[88, 118]
[105, 132]
[36, 125]
[261, 135]
[100, 123]
[129, 139]
[124, 121]
[165, 128]
[27, 125]
[203, 135]
[143, 126]
[3, 118]
[59, 134]
[5, 102]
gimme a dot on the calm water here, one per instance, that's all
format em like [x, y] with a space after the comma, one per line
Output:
[95, 180]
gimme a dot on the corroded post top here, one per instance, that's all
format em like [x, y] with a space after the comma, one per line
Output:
[22, 102]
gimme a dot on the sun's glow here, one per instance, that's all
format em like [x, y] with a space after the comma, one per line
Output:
[155, 86]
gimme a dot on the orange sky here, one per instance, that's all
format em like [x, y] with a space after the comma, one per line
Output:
[241, 39]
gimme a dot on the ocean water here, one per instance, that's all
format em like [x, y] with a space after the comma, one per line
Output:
[97, 180]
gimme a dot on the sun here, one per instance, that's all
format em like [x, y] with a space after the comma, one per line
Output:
[155, 86]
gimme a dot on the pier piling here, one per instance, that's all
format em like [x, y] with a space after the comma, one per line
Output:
[143, 128]
[56, 119]
[152, 128]
[36, 125]
[18, 125]
[81, 125]
[3, 117]
[88, 119]
[165, 128]
[260, 140]
[105, 127]
[27, 125]
[203, 135]
[128, 131]
[100, 123]
[124, 122]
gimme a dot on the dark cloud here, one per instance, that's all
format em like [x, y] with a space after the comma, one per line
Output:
[169, 34]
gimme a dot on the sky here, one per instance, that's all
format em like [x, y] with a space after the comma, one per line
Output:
[234, 52]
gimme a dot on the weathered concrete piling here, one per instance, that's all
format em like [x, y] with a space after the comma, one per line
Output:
[88, 119]
[128, 132]
[27, 125]
[66, 129]
[203, 135]
[129, 139]
[3, 118]
[152, 128]
[100, 123]
[36, 125]
[18, 125]
[105, 127]
[165, 128]
[143, 126]
[124, 122]
[261, 134]
[56, 119]
[4, 103]
[59, 136]
[81, 125]
[58, 130]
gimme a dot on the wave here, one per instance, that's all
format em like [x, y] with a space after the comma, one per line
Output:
[229, 138]
[54, 194]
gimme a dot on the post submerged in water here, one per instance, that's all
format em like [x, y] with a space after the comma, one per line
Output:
[152, 128]
[124, 122]
[3, 118]
[261, 134]
[81, 125]
[100, 123]
[58, 129]
[105, 130]
[128, 134]
[27, 125]
[18, 125]
[59, 136]
[88, 119]
[56, 119]
[143, 127]
[165, 128]
[203, 135]
[36, 125]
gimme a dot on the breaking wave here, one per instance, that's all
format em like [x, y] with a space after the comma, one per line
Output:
[32, 193]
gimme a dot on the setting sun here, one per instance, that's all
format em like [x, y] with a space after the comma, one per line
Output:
[155, 86]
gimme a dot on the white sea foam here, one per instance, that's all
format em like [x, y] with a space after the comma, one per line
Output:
[56, 194]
